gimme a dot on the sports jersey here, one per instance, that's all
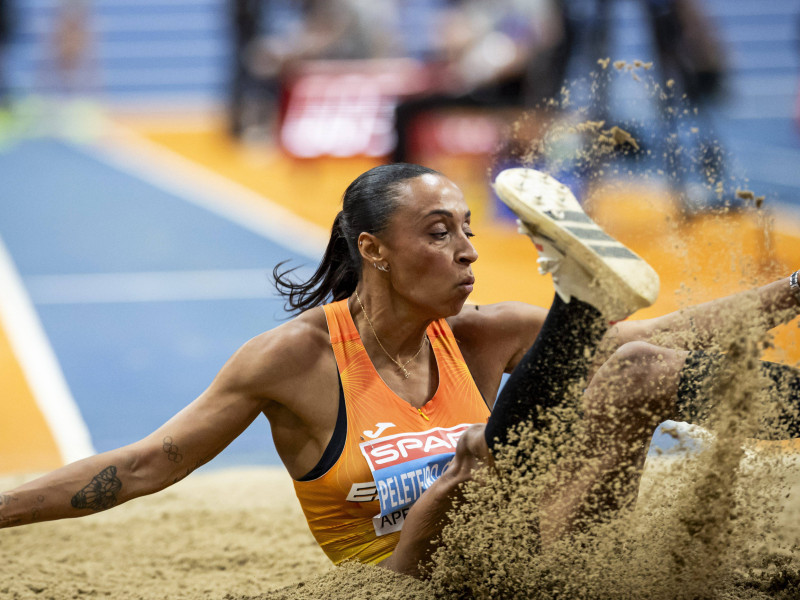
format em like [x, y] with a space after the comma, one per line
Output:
[392, 451]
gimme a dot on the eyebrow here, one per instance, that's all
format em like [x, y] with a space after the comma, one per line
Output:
[447, 213]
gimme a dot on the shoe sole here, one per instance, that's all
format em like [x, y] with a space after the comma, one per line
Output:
[531, 195]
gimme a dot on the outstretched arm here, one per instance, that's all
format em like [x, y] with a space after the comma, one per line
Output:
[700, 326]
[191, 438]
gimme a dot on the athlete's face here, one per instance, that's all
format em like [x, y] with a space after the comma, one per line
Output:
[428, 245]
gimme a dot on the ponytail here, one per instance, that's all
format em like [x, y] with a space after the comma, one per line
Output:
[368, 203]
[335, 278]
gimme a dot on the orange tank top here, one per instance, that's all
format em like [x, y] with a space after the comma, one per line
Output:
[392, 451]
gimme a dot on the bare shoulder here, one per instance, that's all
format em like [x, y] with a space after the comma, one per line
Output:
[271, 364]
[494, 337]
[478, 324]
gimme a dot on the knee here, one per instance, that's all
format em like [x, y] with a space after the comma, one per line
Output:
[636, 351]
[640, 363]
[640, 374]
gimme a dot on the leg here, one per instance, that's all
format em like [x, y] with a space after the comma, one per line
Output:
[549, 368]
[639, 387]
[629, 395]
[555, 364]
[597, 279]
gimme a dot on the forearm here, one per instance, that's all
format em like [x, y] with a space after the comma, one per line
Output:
[752, 311]
[84, 487]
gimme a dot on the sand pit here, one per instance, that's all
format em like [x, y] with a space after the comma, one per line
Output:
[235, 531]
[235, 534]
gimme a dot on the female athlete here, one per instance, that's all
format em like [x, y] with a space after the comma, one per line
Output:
[381, 392]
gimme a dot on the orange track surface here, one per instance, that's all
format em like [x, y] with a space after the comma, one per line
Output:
[26, 443]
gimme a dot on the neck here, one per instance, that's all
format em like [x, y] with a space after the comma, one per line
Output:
[390, 324]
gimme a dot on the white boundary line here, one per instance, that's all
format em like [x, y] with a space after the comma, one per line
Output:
[130, 153]
[150, 286]
[40, 366]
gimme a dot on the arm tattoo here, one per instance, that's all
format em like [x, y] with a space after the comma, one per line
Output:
[101, 492]
[173, 452]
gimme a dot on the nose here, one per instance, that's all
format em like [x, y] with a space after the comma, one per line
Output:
[466, 252]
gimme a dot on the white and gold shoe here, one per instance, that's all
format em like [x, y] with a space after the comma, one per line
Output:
[585, 262]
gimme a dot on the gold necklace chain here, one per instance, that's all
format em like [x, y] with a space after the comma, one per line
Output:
[402, 367]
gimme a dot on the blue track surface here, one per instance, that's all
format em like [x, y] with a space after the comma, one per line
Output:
[132, 364]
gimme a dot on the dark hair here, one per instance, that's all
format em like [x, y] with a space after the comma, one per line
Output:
[367, 205]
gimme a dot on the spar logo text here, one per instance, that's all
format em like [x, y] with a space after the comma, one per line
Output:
[404, 466]
[405, 447]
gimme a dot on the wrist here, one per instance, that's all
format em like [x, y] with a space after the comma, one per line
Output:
[10, 513]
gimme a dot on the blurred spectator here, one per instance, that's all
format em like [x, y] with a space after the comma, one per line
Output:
[688, 55]
[486, 58]
[246, 20]
[688, 47]
[684, 39]
[74, 73]
[309, 30]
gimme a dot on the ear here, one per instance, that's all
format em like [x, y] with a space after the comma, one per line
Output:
[370, 248]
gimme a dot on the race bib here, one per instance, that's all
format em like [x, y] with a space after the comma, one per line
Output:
[403, 466]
